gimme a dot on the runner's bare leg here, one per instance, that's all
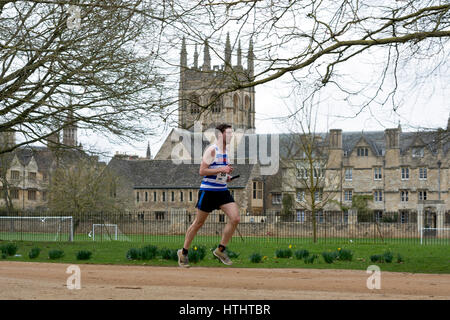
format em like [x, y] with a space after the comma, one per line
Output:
[199, 220]
[232, 211]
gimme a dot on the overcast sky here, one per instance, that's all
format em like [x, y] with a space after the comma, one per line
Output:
[421, 100]
[422, 97]
[422, 105]
[426, 112]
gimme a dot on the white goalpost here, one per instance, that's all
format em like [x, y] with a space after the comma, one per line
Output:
[107, 231]
[43, 228]
[105, 226]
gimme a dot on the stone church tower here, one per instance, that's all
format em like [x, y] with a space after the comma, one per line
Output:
[200, 87]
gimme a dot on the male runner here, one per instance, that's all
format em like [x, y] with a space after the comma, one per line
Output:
[214, 194]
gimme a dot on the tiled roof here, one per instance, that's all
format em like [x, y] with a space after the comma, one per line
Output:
[159, 174]
[288, 142]
[43, 156]
[376, 140]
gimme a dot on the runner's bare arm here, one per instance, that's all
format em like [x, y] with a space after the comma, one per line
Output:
[208, 158]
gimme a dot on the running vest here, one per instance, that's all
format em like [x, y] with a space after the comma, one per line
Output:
[216, 182]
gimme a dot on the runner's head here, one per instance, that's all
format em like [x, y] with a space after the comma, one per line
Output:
[224, 132]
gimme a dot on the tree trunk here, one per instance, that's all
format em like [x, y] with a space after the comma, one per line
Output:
[314, 222]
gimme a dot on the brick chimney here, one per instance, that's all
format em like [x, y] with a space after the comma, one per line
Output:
[336, 138]
[392, 137]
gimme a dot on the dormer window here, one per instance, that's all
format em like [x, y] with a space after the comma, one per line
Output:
[15, 175]
[417, 152]
[32, 176]
[363, 152]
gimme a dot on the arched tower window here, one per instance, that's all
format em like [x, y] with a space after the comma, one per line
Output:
[247, 104]
[194, 101]
[216, 103]
[235, 103]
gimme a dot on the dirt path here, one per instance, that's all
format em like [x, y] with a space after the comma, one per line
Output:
[22, 280]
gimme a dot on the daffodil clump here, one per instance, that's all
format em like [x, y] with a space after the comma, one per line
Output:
[339, 254]
[169, 254]
[256, 257]
[284, 253]
[197, 253]
[301, 254]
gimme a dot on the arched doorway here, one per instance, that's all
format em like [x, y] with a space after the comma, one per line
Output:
[429, 222]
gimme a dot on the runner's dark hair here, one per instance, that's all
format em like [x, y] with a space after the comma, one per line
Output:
[222, 127]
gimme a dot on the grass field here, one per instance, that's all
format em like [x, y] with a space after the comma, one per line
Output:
[35, 236]
[416, 258]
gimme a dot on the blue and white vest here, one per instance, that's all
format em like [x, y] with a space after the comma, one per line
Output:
[216, 182]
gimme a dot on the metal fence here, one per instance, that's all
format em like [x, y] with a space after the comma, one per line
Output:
[171, 225]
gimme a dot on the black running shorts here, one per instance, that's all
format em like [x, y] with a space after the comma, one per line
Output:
[212, 200]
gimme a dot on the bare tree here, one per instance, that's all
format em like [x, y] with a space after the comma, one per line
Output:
[84, 187]
[311, 173]
[89, 63]
[5, 159]
[108, 62]
[314, 41]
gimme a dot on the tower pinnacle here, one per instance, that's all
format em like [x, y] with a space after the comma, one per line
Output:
[206, 58]
[228, 53]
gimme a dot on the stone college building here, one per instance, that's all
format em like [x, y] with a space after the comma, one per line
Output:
[404, 174]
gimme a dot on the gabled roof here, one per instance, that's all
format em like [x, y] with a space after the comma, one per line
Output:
[43, 156]
[160, 174]
[188, 139]
[288, 145]
[432, 140]
[375, 139]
